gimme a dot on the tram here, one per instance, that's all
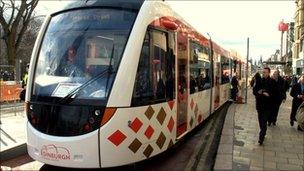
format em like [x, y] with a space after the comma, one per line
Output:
[116, 82]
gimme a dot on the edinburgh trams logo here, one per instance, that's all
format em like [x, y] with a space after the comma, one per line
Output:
[52, 152]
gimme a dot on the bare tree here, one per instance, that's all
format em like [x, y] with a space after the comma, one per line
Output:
[15, 25]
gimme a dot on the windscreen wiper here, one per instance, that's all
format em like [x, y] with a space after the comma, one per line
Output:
[76, 90]
[110, 68]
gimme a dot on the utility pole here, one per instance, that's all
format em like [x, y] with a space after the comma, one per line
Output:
[281, 51]
[247, 58]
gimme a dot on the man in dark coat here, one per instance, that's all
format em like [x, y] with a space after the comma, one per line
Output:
[263, 92]
[279, 96]
[234, 87]
[297, 92]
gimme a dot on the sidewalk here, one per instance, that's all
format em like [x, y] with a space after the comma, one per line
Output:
[239, 148]
[13, 134]
[12, 131]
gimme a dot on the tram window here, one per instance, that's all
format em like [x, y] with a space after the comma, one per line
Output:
[154, 81]
[225, 70]
[199, 68]
[79, 46]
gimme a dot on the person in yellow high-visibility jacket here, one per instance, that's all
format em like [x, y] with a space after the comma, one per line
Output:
[24, 80]
[24, 83]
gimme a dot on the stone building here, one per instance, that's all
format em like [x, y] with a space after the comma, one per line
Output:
[298, 46]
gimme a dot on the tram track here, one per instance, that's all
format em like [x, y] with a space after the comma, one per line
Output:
[196, 151]
[205, 151]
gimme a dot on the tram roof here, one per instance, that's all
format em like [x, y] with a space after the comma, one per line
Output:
[124, 4]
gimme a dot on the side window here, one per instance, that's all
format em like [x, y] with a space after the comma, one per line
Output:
[143, 86]
[154, 80]
[206, 74]
[199, 68]
[225, 70]
[194, 67]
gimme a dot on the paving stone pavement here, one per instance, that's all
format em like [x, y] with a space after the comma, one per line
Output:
[283, 147]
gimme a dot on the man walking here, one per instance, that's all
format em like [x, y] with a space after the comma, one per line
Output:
[263, 92]
[234, 87]
[279, 96]
[297, 92]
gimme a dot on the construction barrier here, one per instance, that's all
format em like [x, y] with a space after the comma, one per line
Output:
[9, 92]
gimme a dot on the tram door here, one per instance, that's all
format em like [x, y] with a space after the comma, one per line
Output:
[182, 83]
[217, 71]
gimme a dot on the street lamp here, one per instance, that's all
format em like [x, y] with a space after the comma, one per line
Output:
[282, 27]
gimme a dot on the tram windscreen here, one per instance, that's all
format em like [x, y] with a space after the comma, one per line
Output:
[77, 47]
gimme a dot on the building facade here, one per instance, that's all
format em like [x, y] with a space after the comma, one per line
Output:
[298, 46]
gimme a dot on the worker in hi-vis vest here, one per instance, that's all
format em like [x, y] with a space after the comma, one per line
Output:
[24, 83]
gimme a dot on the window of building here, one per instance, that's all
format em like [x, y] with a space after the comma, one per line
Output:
[154, 81]
[199, 68]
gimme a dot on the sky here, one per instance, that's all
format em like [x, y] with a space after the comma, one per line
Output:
[230, 22]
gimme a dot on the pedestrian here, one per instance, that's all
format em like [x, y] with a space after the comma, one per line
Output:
[279, 96]
[297, 92]
[294, 80]
[300, 117]
[24, 83]
[287, 83]
[234, 87]
[263, 91]
[252, 80]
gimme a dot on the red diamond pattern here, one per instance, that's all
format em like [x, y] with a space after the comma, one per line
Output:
[117, 137]
[171, 104]
[191, 104]
[170, 124]
[149, 132]
[136, 125]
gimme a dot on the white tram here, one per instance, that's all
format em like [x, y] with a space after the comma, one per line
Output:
[116, 82]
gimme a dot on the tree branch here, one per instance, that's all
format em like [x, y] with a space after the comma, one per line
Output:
[26, 20]
[13, 12]
[16, 25]
[2, 5]
[19, 15]
[4, 24]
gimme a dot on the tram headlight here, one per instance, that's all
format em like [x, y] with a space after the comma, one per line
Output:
[87, 127]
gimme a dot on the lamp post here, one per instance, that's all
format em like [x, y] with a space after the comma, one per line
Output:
[247, 58]
[282, 27]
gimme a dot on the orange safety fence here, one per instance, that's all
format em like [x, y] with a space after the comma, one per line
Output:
[10, 92]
